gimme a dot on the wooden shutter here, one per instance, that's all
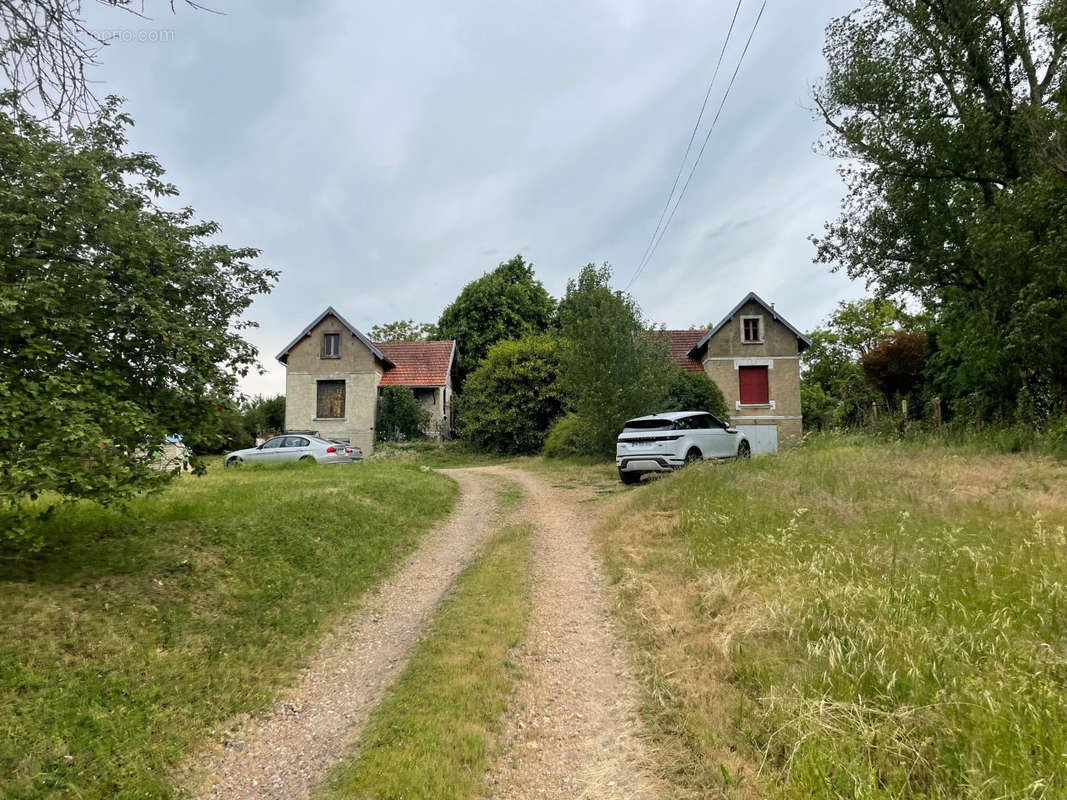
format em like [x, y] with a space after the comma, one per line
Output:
[331, 400]
[753, 386]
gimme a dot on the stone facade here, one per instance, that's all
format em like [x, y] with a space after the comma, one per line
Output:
[779, 351]
[360, 365]
[725, 349]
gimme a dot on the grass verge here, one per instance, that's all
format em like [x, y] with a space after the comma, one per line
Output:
[574, 472]
[432, 735]
[866, 621]
[136, 632]
[441, 455]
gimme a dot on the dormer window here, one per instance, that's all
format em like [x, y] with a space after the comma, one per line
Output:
[331, 345]
[752, 330]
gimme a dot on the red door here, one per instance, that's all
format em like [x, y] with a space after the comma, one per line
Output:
[753, 384]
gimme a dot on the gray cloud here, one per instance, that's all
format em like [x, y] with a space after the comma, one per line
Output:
[383, 156]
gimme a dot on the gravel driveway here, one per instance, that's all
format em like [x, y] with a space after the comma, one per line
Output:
[573, 731]
[281, 755]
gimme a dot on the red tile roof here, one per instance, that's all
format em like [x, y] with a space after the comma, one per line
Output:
[680, 343]
[417, 363]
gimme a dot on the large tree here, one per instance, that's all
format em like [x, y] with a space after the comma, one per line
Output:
[48, 50]
[403, 330]
[949, 116]
[612, 368]
[507, 303]
[120, 319]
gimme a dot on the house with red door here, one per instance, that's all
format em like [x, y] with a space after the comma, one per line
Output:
[753, 355]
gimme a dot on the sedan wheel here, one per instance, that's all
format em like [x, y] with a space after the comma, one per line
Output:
[234, 462]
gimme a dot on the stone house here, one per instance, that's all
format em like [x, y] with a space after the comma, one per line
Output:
[753, 355]
[335, 374]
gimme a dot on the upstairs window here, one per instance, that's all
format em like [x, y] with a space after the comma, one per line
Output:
[331, 345]
[750, 330]
[330, 402]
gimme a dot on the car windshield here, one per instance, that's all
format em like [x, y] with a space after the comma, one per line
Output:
[648, 424]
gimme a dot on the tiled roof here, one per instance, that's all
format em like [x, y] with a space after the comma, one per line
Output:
[417, 363]
[680, 343]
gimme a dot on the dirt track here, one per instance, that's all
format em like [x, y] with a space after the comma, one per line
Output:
[572, 729]
[280, 756]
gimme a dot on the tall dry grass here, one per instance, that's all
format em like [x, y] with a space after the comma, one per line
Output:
[872, 621]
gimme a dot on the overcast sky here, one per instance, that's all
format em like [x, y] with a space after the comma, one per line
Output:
[382, 156]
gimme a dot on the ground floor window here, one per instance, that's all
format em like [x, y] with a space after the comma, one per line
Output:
[330, 402]
[753, 386]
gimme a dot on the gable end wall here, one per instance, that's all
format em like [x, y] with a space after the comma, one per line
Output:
[779, 352]
[356, 366]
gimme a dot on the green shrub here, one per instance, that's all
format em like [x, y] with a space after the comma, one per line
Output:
[694, 391]
[400, 416]
[511, 398]
[561, 441]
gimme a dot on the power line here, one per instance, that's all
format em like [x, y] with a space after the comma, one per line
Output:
[696, 163]
[692, 137]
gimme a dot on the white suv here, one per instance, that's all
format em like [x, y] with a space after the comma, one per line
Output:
[663, 442]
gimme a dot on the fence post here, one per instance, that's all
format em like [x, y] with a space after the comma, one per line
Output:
[937, 412]
[904, 408]
[874, 413]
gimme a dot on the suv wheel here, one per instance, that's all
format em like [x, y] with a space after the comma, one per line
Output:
[629, 478]
[693, 456]
[744, 450]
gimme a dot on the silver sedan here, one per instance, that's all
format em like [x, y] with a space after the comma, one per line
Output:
[281, 449]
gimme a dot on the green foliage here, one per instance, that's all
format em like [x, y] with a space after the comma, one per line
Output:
[951, 120]
[817, 406]
[694, 391]
[562, 440]
[142, 631]
[264, 416]
[233, 434]
[612, 368]
[507, 303]
[509, 401]
[399, 415]
[404, 330]
[834, 392]
[119, 319]
[240, 425]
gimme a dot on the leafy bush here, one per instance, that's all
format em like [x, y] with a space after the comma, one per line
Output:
[512, 397]
[695, 391]
[895, 366]
[562, 439]
[399, 415]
